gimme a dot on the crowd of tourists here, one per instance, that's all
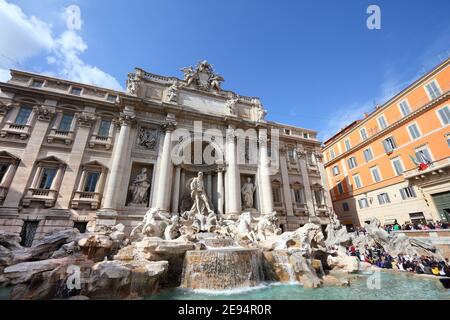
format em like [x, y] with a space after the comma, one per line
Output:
[438, 225]
[418, 264]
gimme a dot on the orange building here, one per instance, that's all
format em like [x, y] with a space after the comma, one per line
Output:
[394, 164]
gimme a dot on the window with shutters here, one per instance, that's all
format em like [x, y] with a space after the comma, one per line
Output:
[368, 155]
[414, 132]
[336, 170]
[423, 155]
[357, 180]
[347, 144]
[389, 144]
[352, 162]
[404, 107]
[433, 90]
[408, 193]
[383, 198]
[375, 174]
[397, 164]
[363, 134]
[382, 123]
[363, 203]
[444, 115]
[340, 187]
[345, 206]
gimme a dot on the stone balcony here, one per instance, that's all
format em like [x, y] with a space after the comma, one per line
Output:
[66, 136]
[321, 209]
[47, 196]
[92, 199]
[22, 130]
[435, 168]
[105, 141]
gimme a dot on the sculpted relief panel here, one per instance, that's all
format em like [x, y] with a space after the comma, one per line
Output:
[147, 138]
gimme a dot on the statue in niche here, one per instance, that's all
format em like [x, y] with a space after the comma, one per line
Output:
[247, 191]
[139, 188]
[146, 138]
[172, 92]
[202, 216]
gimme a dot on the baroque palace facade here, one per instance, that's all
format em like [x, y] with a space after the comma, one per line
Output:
[76, 155]
[394, 164]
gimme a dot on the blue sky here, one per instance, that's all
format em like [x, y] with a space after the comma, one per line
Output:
[313, 63]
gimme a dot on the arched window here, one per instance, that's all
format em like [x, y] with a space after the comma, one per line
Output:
[8, 166]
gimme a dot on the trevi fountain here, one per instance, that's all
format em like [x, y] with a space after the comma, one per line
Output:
[201, 255]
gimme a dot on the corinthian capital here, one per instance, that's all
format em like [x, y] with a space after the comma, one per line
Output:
[44, 113]
[168, 126]
[126, 119]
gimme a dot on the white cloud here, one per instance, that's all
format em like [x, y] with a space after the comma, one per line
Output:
[23, 37]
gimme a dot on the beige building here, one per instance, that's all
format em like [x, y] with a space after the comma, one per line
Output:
[77, 155]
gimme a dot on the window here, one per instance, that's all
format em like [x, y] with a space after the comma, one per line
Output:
[332, 155]
[444, 114]
[375, 174]
[91, 181]
[340, 188]
[318, 196]
[363, 134]
[398, 166]
[404, 107]
[290, 154]
[407, 193]
[298, 194]
[311, 158]
[389, 144]
[448, 139]
[287, 131]
[103, 130]
[382, 122]
[3, 169]
[76, 91]
[66, 123]
[306, 135]
[345, 206]
[347, 144]
[28, 232]
[23, 115]
[417, 217]
[357, 180]
[276, 192]
[352, 162]
[423, 155]
[335, 170]
[111, 98]
[414, 131]
[368, 155]
[48, 174]
[363, 203]
[383, 198]
[37, 83]
[433, 89]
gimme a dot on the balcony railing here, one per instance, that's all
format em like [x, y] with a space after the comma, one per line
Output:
[321, 209]
[300, 209]
[100, 140]
[434, 168]
[47, 196]
[66, 136]
[23, 130]
[92, 199]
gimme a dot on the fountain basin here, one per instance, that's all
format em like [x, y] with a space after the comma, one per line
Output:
[222, 268]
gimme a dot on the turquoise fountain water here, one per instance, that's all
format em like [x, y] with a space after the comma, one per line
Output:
[393, 286]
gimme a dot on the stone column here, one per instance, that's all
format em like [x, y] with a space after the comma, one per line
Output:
[164, 182]
[82, 179]
[233, 205]
[29, 158]
[176, 191]
[209, 186]
[220, 199]
[323, 176]
[309, 197]
[74, 163]
[113, 186]
[286, 185]
[264, 175]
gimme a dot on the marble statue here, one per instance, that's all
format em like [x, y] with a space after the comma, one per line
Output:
[244, 229]
[153, 225]
[139, 188]
[172, 231]
[247, 191]
[172, 92]
[268, 225]
[261, 113]
[215, 81]
[146, 138]
[189, 75]
[132, 84]
[230, 106]
[202, 216]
